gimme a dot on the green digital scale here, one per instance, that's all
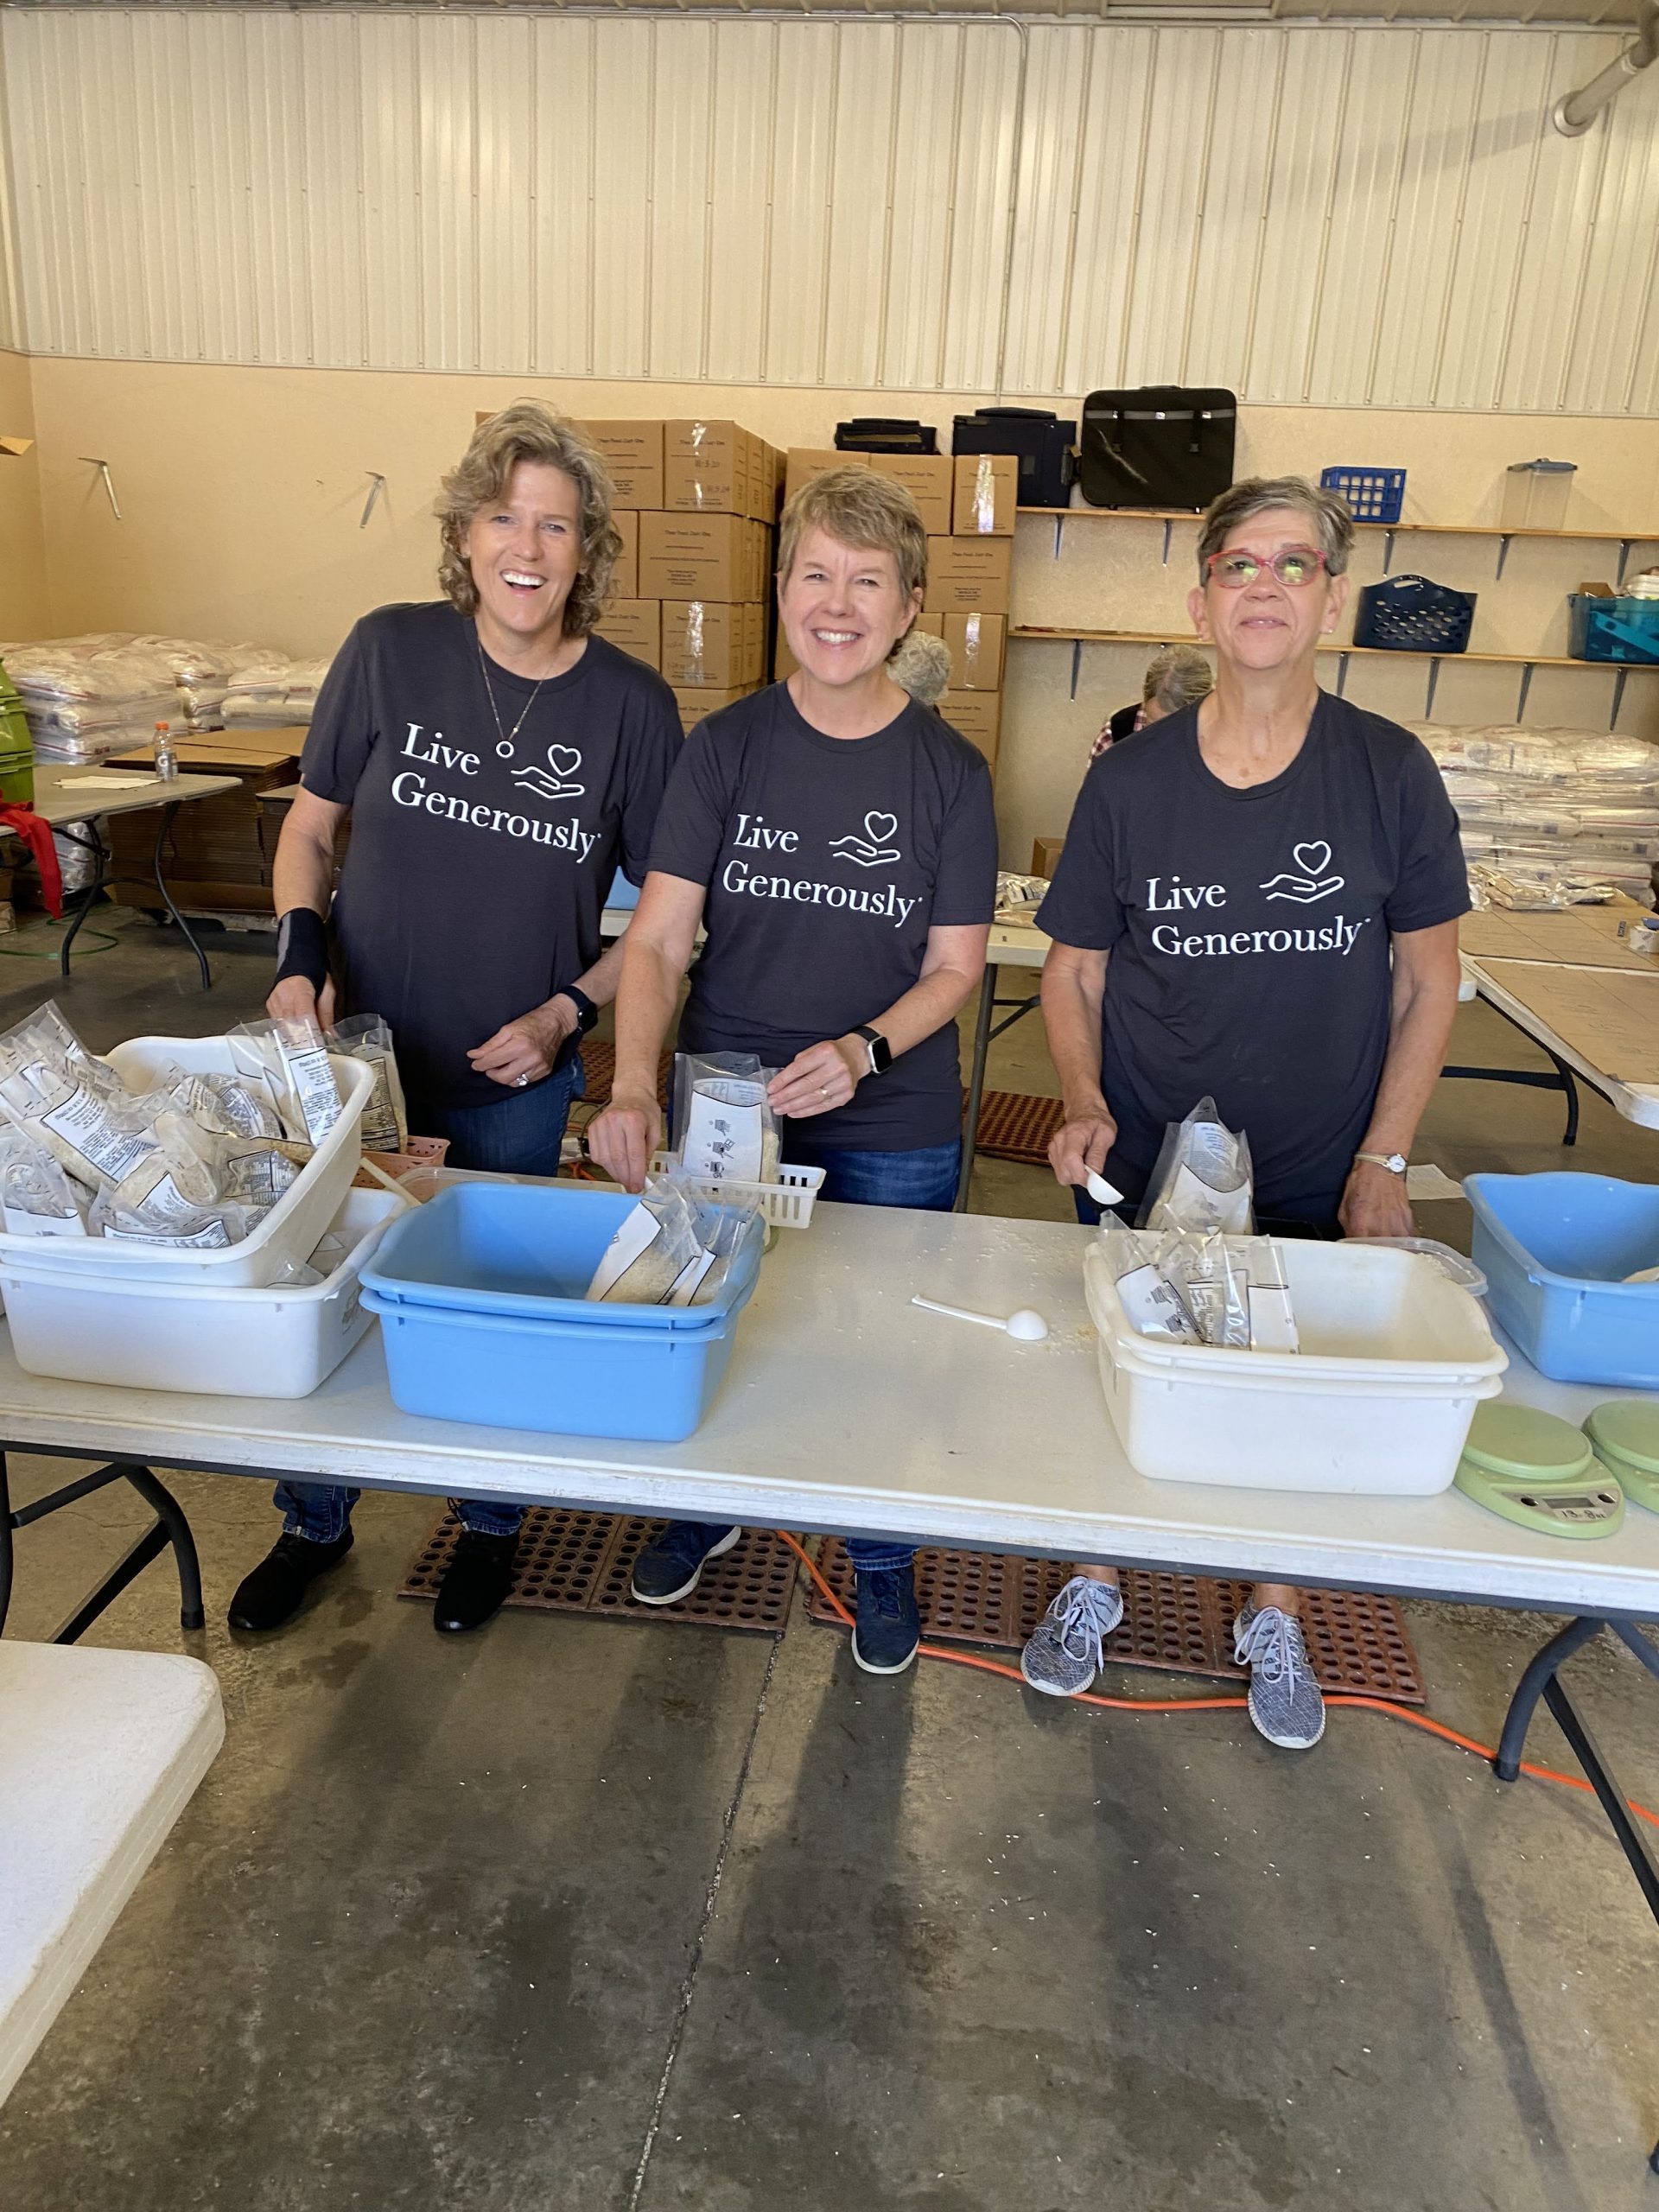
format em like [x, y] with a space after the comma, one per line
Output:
[1539, 1471]
[1625, 1432]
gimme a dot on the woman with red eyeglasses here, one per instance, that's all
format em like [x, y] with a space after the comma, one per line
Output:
[1256, 901]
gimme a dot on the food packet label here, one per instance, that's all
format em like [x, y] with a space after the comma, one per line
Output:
[82, 1122]
[381, 1131]
[725, 1132]
[212, 1236]
[1194, 1203]
[20, 1222]
[312, 1082]
[1155, 1307]
[636, 1233]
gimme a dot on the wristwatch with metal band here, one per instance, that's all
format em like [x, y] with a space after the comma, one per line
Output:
[876, 1045]
[1393, 1161]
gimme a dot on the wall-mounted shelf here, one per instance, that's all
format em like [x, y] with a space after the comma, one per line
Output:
[1525, 662]
[1626, 540]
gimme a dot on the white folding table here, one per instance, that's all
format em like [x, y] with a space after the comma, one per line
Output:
[100, 1754]
[846, 1408]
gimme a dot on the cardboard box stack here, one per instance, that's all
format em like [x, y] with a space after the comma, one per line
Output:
[967, 503]
[698, 504]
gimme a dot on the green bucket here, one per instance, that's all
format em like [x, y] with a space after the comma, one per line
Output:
[16, 748]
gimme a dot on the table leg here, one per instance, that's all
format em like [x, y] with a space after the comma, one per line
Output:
[169, 1529]
[976, 1082]
[96, 848]
[167, 813]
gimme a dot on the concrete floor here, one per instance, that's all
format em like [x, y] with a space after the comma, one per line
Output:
[590, 1915]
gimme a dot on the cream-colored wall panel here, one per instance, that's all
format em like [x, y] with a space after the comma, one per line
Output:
[1047, 734]
[743, 150]
[1312, 214]
[24, 601]
[564, 160]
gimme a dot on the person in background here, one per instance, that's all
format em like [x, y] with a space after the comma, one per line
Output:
[1177, 676]
[1258, 901]
[498, 760]
[837, 843]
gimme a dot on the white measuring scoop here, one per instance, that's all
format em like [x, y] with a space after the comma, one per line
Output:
[1024, 1326]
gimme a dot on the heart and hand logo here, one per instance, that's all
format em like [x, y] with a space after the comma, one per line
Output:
[563, 760]
[1309, 882]
[874, 848]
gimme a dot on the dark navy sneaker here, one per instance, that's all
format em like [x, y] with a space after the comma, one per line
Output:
[889, 1625]
[672, 1567]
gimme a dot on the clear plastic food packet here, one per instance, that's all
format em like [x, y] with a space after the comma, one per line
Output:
[1213, 1284]
[1151, 1303]
[653, 1251]
[722, 1231]
[1203, 1178]
[36, 1197]
[726, 1129]
[366, 1037]
[97, 1137]
[286, 1061]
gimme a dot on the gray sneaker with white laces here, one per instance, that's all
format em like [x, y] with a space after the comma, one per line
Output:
[1285, 1702]
[1063, 1655]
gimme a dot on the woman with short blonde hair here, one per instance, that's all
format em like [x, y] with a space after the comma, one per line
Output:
[836, 843]
[498, 762]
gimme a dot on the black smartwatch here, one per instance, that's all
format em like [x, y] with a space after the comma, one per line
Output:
[586, 1012]
[876, 1045]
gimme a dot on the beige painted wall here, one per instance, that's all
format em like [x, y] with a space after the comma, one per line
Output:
[24, 610]
[242, 491]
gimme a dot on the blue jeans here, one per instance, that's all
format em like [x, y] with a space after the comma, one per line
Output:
[926, 1180]
[518, 1134]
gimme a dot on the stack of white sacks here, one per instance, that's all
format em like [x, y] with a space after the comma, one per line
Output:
[90, 697]
[1558, 812]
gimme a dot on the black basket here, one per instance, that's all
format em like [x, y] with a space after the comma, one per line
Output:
[1411, 614]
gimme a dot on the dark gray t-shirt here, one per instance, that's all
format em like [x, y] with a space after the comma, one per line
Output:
[480, 859]
[827, 861]
[1248, 934]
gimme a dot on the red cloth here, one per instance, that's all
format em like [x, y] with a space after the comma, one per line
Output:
[24, 822]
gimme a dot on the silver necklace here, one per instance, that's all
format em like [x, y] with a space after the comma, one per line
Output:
[506, 737]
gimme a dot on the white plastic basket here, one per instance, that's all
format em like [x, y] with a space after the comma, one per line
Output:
[786, 1204]
[1394, 1359]
[276, 1343]
[294, 1227]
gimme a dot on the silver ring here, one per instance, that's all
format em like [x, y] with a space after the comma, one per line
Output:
[519, 1081]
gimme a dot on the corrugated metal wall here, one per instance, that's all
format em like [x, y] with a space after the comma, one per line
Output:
[1336, 216]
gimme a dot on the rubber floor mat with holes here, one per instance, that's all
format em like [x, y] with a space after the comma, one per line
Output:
[1014, 1127]
[576, 1562]
[1175, 1623]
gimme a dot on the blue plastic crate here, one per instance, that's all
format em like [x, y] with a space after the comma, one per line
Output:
[1373, 494]
[1556, 1249]
[480, 1297]
[1625, 630]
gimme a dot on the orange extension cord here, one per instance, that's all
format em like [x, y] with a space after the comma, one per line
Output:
[1217, 1704]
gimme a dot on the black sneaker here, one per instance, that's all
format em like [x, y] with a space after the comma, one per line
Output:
[889, 1626]
[672, 1567]
[273, 1593]
[475, 1583]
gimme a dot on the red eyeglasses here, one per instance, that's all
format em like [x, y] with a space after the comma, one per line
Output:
[1237, 566]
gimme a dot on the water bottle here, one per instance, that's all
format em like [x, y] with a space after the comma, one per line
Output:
[167, 767]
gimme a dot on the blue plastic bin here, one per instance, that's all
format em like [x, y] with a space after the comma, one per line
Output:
[1373, 494]
[479, 1298]
[1624, 631]
[1556, 1249]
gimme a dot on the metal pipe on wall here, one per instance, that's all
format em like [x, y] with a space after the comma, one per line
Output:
[1573, 114]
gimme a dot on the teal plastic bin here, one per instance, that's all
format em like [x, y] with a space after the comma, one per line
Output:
[480, 1298]
[1622, 630]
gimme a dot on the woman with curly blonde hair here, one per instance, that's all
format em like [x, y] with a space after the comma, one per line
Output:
[498, 762]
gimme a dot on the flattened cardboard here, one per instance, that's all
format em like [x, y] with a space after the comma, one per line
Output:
[1610, 1019]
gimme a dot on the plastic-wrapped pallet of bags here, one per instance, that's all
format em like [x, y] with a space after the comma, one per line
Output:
[305, 681]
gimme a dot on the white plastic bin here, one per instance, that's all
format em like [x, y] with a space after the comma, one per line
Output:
[294, 1227]
[278, 1343]
[1394, 1359]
